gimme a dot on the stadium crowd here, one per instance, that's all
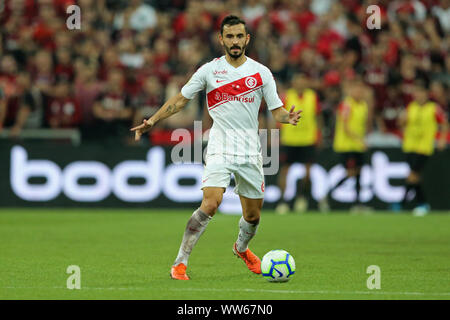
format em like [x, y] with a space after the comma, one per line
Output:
[130, 56]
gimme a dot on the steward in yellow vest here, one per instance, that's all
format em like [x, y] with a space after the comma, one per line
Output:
[352, 119]
[298, 143]
[421, 125]
[307, 133]
[351, 126]
[421, 121]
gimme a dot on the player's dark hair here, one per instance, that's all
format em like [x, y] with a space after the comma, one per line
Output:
[232, 20]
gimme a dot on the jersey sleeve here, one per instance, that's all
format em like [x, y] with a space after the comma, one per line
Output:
[269, 89]
[196, 83]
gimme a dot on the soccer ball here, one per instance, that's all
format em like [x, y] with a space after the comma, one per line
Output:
[277, 266]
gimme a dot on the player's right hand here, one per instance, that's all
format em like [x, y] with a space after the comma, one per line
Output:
[141, 129]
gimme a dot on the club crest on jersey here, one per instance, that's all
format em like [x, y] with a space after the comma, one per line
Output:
[251, 82]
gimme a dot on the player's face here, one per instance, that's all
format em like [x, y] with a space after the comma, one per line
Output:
[234, 40]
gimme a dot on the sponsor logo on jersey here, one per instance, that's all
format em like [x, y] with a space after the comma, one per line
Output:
[237, 90]
[226, 97]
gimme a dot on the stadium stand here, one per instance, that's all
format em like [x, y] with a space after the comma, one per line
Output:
[56, 79]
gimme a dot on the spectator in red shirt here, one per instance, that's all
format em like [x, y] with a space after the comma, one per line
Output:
[388, 110]
[194, 21]
[112, 109]
[10, 90]
[408, 74]
[63, 111]
[43, 72]
[2, 108]
[149, 100]
[29, 111]
[87, 88]
[8, 75]
[46, 26]
[376, 74]
[109, 60]
[64, 64]
[439, 94]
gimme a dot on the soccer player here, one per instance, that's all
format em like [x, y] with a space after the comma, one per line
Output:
[299, 142]
[235, 85]
[352, 119]
[421, 121]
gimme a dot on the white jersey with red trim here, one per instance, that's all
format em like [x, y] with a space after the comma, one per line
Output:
[233, 99]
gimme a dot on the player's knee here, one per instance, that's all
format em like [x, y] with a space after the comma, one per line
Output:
[210, 206]
[252, 216]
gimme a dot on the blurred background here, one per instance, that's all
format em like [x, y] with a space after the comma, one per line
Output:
[63, 89]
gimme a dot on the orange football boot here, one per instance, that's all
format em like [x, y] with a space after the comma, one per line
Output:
[251, 260]
[178, 272]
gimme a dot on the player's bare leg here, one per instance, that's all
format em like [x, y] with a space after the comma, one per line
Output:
[196, 225]
[248, 225]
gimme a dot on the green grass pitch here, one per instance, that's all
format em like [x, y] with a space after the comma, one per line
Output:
[127, 254]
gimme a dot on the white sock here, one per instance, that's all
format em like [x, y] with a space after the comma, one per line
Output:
[246, 232]
[194, 229]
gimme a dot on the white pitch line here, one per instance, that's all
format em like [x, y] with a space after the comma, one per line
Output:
[319, 291]
[253, 290]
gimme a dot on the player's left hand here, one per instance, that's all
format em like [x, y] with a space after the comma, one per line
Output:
[294, 116]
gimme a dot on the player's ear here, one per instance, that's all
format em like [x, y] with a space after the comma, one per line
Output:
[221, 39]
[248, 39]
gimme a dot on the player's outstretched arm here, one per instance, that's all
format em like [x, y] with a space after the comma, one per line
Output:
[283, 116]
[170, 107]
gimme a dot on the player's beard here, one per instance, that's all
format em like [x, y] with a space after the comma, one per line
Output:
[235, 56]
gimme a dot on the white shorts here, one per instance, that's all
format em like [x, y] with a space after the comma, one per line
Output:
[248, 174]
